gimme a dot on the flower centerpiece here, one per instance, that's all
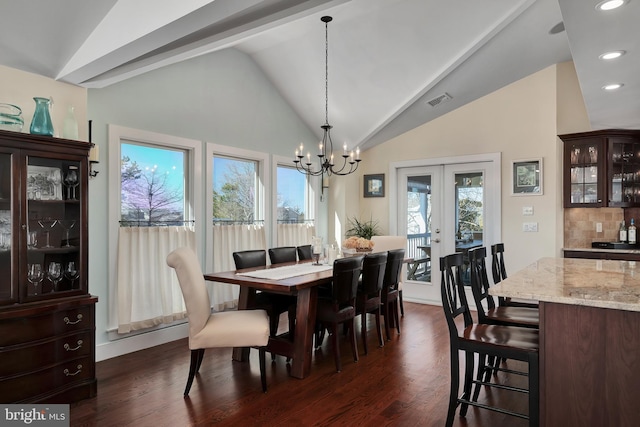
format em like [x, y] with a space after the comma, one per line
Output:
[359, 236]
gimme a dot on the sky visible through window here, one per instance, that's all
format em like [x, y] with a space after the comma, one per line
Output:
[165, 160]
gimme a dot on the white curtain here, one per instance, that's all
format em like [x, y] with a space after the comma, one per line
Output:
[148, 292]
[228, 239]
[295, 234]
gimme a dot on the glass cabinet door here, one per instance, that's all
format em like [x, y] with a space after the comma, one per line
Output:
[585, 163]
[624, 174]
[52, 227]
[7, 294]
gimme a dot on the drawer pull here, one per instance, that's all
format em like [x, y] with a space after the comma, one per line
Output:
[68, 347]
[69, 374]
[69, 322]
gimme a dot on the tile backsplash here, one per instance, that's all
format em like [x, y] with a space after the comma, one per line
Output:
[580, 225]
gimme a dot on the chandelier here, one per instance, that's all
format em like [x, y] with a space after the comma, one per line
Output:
[326, 160]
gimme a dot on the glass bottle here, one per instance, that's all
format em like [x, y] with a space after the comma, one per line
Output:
[623, 232]
[70, 126]
[41, 122]
[631, 233]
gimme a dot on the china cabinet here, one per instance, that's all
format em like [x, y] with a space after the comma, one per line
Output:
[47, 316]
[602, 168]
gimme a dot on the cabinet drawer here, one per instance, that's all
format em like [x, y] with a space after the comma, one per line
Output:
[22, 330]
[24, 387]
[43, 353]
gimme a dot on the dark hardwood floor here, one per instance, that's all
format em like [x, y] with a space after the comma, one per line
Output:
[405, 383]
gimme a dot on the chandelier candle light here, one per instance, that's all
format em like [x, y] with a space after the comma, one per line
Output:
[325, 148]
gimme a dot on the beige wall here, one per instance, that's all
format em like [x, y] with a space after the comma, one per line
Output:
[19, 88]
[520, 121]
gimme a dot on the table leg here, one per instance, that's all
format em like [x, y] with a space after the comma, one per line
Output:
[241, 354]
[305, 326]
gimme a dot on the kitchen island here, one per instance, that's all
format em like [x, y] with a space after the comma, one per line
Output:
[589, 338]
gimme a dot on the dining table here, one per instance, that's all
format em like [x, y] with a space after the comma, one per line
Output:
[589, 338]
[301, 280]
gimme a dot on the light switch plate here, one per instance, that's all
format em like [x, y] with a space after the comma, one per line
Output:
[530, 227]
[527, 210]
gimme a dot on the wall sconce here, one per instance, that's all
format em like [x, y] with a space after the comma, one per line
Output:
[93, 160]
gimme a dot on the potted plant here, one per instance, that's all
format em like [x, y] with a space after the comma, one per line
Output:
[359, 235]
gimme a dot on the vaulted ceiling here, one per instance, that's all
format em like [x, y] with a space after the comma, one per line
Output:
[393, 64]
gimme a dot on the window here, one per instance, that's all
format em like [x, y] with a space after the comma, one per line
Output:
[235, 190]
[152, 185]
[292, 196]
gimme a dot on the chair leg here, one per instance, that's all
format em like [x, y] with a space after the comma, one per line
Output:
[196, 359]
[483, 368]
[395, 316]
[379, 327]
[274, 321]
[455, 384]
[336, 346]
[468, 381]
[363, 331]
[263, 375]
[401, 304]
[354, 344]
[386, 314]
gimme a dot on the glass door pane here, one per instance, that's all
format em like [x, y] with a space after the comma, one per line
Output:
[469, 214]
[6, 238]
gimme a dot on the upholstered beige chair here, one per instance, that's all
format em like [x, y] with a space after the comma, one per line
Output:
[387, 243]
[244, 328]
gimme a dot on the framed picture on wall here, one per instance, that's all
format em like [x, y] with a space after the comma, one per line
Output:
[526, 177]
[374, 185]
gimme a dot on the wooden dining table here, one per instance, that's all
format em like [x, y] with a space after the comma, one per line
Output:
[298, 347]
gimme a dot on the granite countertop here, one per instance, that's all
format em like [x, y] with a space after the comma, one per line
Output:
[589, 282]
[613, 251]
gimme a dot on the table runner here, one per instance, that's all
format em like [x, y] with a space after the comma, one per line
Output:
[287, 271]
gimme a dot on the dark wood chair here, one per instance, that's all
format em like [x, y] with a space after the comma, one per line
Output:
[304, 252]
[274, 304]
[368, 295]
[497, 341]
[488, 311]
[390, 292]
[282, 254]
[340, 306]
[499, 273]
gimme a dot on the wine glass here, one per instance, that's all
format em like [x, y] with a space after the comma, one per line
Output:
[71, 180]
[32, 240]
[54, 272]
[67, 224]
[47, 224]
[71, 272]
[55, 178]
[316, 254]
[35, 275]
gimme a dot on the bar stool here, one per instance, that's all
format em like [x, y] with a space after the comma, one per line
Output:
[500, 273]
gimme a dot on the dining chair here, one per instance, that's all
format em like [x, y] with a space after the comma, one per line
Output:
[244, 328]
[304, 252]
[385, 244]
[340, 306]
[499, 273]
[497, 341]
[368, 294]
[274, 304]
[282, 254]
[390, 293]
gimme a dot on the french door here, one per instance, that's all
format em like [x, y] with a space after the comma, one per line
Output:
[443, 209]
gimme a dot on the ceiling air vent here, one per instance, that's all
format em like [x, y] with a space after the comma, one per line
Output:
[439, 99]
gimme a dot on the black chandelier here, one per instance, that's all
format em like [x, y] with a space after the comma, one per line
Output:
[326, 165]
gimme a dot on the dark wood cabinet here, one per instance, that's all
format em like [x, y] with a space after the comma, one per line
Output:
[601, 168]
[47, 317]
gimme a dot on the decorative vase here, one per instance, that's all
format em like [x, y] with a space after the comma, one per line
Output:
[41, 122]
[11, 117]
[70, 127]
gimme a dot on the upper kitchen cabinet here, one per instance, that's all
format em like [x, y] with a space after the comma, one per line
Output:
[602, 168]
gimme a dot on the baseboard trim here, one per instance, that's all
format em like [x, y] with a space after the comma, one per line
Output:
[140, 342]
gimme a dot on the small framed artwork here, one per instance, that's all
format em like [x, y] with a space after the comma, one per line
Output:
[526, 177]
[374, 185]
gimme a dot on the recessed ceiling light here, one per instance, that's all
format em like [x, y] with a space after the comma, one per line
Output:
[610, 4]
[612, 86]
[613, 54]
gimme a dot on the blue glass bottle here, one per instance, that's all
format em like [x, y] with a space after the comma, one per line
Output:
[41, 122]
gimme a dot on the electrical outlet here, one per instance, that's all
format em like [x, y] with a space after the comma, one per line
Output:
[530, 227]
[527, 210]
[598, 227]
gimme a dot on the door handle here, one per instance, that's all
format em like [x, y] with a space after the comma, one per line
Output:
[436, 240]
